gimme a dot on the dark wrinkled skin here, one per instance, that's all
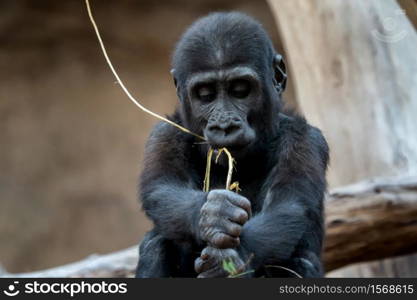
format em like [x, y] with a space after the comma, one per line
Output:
[209, 264]
[222, 217]
[229, 80]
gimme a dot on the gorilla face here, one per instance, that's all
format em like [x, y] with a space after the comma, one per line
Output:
[229, 79]
[223, 100]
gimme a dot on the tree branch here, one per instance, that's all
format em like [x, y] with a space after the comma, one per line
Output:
[116, 264]
[371, 220]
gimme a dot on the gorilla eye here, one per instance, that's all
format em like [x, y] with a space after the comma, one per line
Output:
[239, 89]
[206, 92]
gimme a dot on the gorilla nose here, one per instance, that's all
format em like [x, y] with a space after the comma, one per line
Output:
[224, 133]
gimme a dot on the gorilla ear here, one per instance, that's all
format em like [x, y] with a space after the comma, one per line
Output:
[173, 76]
[176, 83]
[280, 73]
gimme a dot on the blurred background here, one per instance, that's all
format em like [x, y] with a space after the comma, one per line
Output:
[71, 143]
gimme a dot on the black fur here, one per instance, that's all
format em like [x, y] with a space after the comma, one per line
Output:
[282, 172]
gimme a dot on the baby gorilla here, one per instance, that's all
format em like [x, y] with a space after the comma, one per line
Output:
[229, 80]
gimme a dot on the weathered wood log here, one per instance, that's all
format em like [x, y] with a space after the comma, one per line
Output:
[396, 267]
[117, 264]
[371, 220]
[366, 221]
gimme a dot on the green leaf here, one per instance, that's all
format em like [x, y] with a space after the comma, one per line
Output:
[229, 266]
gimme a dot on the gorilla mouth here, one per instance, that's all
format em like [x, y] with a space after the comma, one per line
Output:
[232, 145]
[237, 147]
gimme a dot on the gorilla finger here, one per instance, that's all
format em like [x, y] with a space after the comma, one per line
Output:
[198, 265]
[207, 253]
[201, 265]
[241, 202]
[210, 254]
[233, 229]
[238, 215]
[223, 241]
[204, 256]
[216, 272]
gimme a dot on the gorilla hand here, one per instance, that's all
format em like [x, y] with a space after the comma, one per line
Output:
[210, 263]
[222, 217]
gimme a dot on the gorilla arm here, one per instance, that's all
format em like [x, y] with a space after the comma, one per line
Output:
[168, 195]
